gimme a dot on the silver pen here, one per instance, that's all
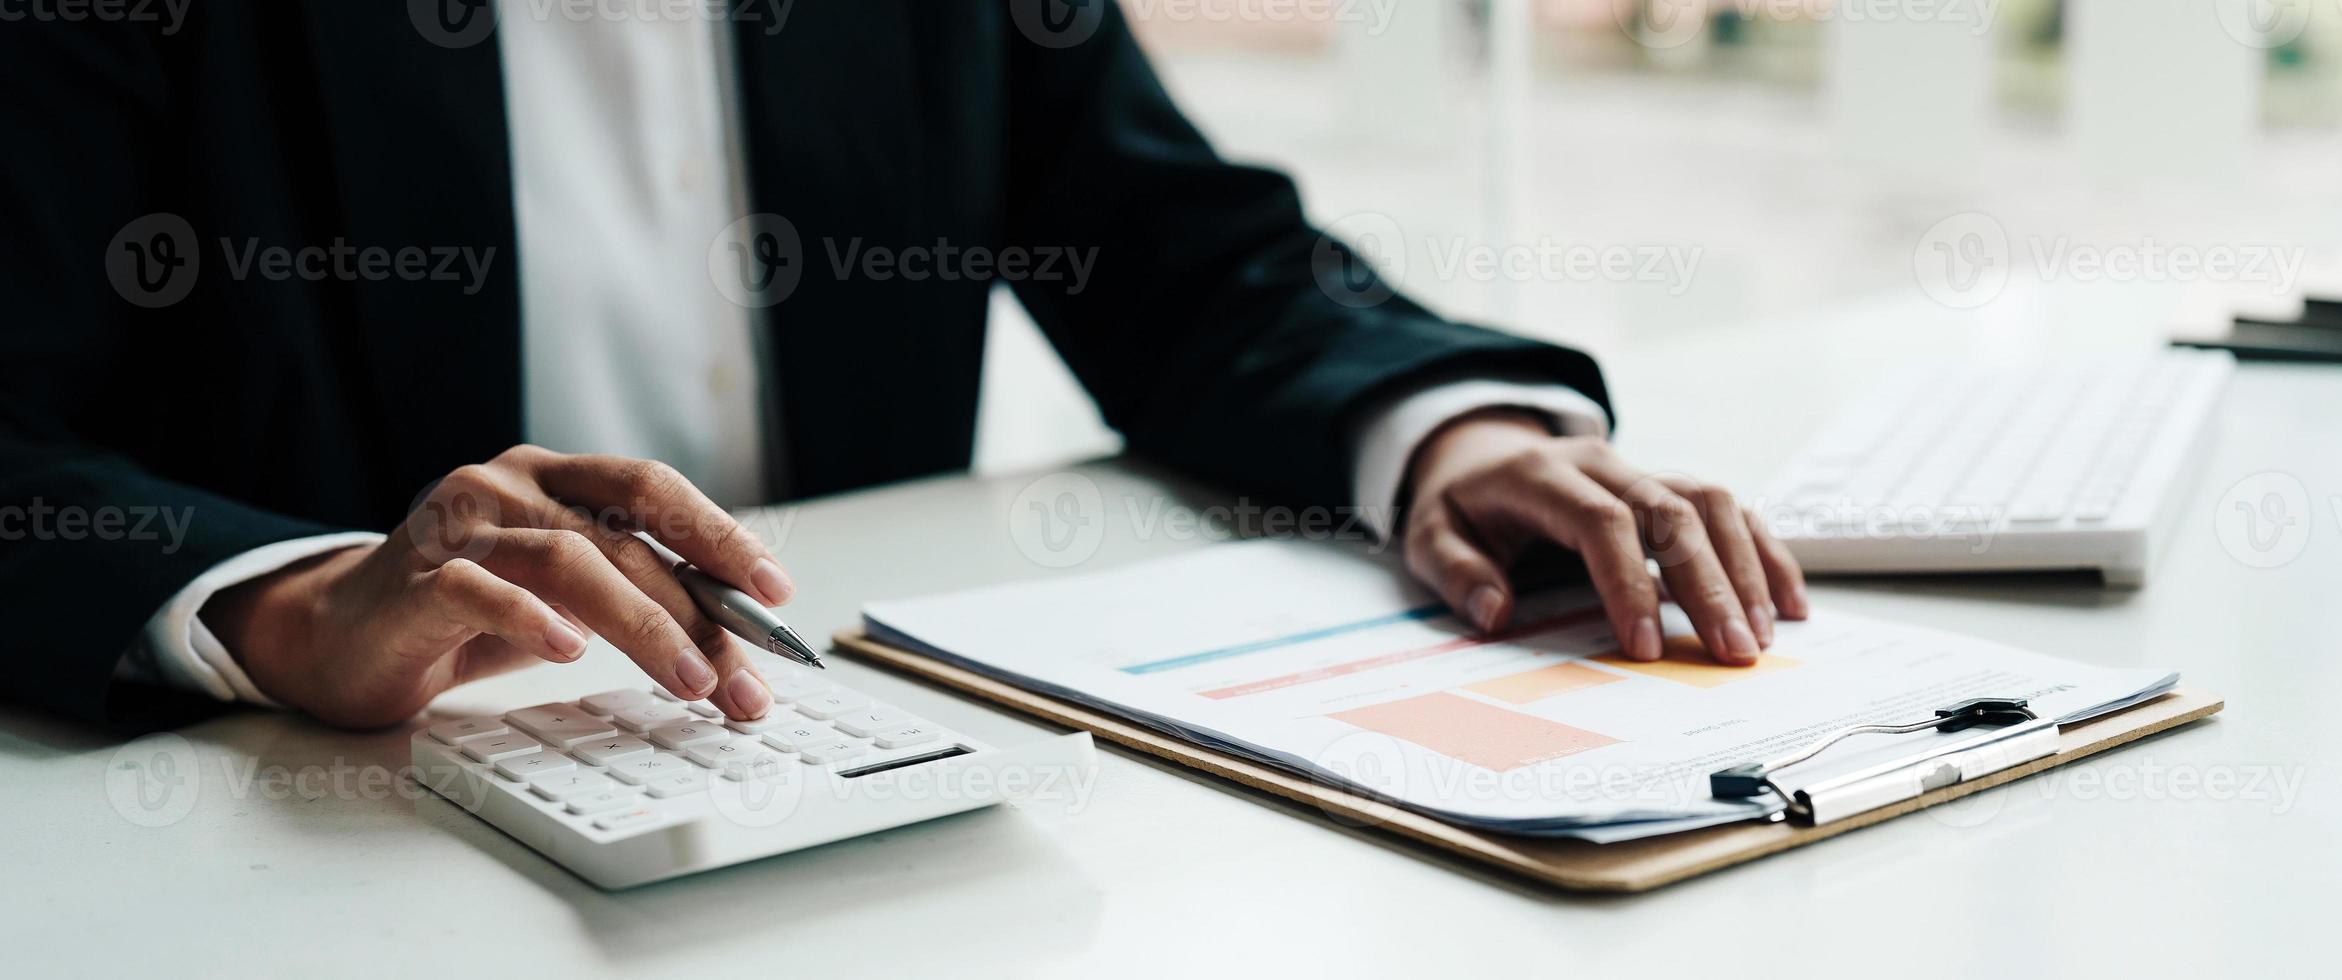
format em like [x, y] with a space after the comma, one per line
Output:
[749, 619]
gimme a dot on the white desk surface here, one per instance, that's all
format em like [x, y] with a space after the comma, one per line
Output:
[2215, 848]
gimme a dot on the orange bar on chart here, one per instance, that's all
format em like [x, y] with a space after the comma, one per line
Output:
[1474, 732]
[1542, 683]
[1683, 660]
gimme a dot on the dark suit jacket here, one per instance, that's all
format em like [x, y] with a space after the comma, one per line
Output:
[265, 408]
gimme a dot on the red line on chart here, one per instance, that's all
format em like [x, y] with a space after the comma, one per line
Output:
[1546, 625]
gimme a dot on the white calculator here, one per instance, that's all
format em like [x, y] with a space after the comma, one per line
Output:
[633, 786]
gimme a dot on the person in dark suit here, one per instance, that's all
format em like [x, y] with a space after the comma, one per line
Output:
[402, 320]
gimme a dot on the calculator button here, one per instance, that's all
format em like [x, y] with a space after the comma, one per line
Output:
[764, 765]
[775, 718]
[560, 725]
[827, 706]
[459, 732]
[606, 751]
[833, 751]
[663, 695]
[868, 721]
[676, 783]
[685, 734]
[798, 736]
[902, 735]
[640, 768]
[613, 702]
[650, 716]
[526, 767]
[501, 747]
[629, 820]
[717, 755]
[559, 786]
[705, 710]
[793, 683]
[603, 801]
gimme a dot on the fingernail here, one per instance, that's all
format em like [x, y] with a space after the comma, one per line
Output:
[1484, 605]
[749, 695]
[1797, 595]
[1644, 645]
[767, 578]
[566, 641]
[1739, 642]
[1760, 619]
[692, 671]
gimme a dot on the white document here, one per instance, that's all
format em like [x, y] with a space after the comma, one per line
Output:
[1331, 664]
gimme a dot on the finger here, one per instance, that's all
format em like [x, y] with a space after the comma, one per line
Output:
[1784, 575]
[1472, 583]
[1563, 505]
[470, 596]
[568, 568]
[660, 502]
[1677, 539]
[1728, 534]
[742, 692]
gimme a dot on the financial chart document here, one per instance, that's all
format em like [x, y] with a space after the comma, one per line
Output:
[1329, 663]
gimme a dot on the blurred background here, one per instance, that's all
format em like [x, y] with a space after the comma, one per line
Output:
[1623, 175]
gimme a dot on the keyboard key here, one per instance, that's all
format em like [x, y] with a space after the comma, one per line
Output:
[685, 734]
[868, 721]
[717, 755]
[837, 751]
[501, 747]
[650, 716]
[673, 784]
[895, 738]
[459, 732]
[560, 725]
[827, 706]
[704, 709]
[602, 802]
[613, 702]
[529, 766]
[796, 737]
[606, 751]
[631, 819]
[662, 694]
[642, 768]
[559, 786]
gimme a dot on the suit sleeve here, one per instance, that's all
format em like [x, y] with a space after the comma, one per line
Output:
[1217, 330]
[92, 542]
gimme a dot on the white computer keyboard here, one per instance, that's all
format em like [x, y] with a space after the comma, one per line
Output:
[631, 786]
[2071, 465]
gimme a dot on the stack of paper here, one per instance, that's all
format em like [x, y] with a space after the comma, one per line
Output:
[1331, 664]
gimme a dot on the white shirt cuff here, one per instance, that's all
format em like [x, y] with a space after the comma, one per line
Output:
[1388, 438]
[178, 650]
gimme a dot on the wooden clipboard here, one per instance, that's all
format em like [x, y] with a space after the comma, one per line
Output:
[1573, 865]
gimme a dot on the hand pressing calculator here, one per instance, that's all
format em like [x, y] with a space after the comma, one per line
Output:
[633, 786]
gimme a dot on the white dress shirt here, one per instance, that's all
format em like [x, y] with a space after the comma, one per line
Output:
[624, 171]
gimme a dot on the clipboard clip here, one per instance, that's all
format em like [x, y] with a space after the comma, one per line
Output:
[2020, 736]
